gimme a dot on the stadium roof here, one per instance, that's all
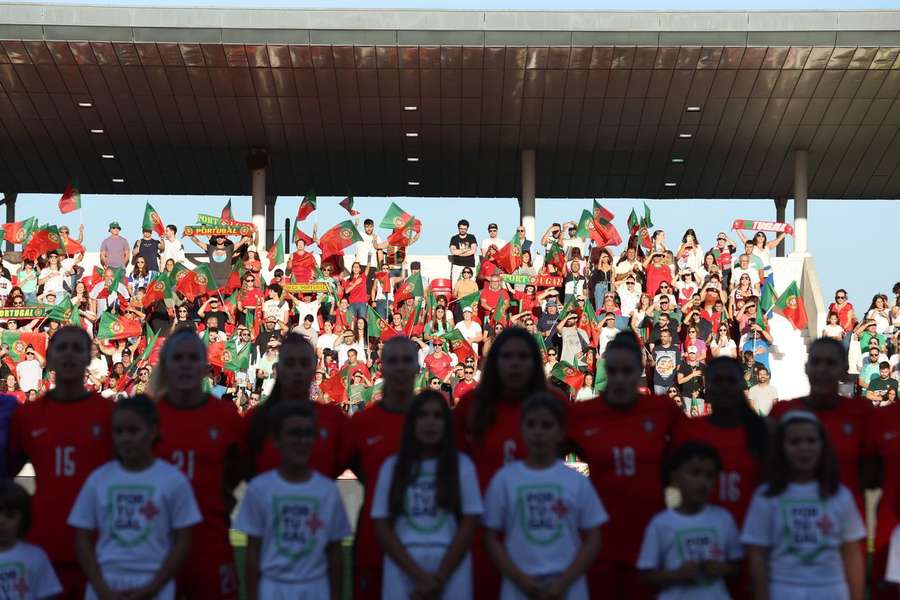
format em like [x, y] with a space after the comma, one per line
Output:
[345, 100]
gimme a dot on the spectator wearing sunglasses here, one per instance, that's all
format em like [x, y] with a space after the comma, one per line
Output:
[467, 384]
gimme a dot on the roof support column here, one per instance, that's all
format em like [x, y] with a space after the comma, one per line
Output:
[9, 199]
[270, 220]
[801, 197]
[526, 195]
[258, 162]
[780, 208]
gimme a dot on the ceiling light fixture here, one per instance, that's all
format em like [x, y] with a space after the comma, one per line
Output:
[412, 183]
[108, 156]
[693, 109]
[410, 108]
[85, 104]
[118, 180]
[96, 131]
[412, 134]
[685, 136]
[412, 159]
[677, 161]
[670, 184]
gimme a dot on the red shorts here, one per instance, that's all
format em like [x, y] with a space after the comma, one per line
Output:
[72, 580]
[208, 576]
[617, 579]
[367, 582]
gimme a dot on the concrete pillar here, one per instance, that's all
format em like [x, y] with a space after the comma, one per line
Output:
[801, 197]
[270, 220]
[258, 206]
[526, 195]
[9, 199]
[780, 207]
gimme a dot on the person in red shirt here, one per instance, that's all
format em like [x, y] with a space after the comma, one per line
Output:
[487, 424]
[846, 315]
[296, 368]
[886, 436]
[623, 437]
[356, 292]
[201, 436]
[491, 295]
[439, 362]
[467, 384]
[302, 264]
[249, 296]
[375, 434]
[848, 421]
[65, 434]
[656, 272]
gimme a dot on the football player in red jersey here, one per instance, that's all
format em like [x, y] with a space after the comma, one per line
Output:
[623, 437]
[734, 430]
[488, 425]
[375, 434]
[886, 434]
[66, 435]
[296, 368]
[848, 421]
[200, 435]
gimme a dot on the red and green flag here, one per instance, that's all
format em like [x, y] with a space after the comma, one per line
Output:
[19, 341]
[337, 238]
[646, 221]
[469, 300]
[458, 344]
[603, 223]
[236, 360]
[602, 216]
[153, 221]
[71, 198]
[307, 206]
[509, 257]
[199, 282]
[767, 299]
[215, 352]
[634, 224]
[409, 329]
[568, 374]
[790, 306]
[335, 387]
[587, 228]
[299, 235]
[18, 232]
[405, 235]
[500, 312]
[113, 287]
[113, 327]
[347, 204]
[395, 217]
[411, 288]
[65, 312]
[45, 239]
[377, 327]
[226, 215]
[556, 256]
[158, 289]
[276, 253]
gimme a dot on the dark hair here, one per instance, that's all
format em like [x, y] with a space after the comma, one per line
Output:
[544, 401]
[14, 499]
[489, 390]
[834, 345]
[409, 462]
[285, 410]
[259, 422]
[141, 405]
[687, 451]
[755, 427]
[462, 222]
[368, 222]
[274, 287]
[778, 474]
[173, 228]
[627, 341]
[70, 329]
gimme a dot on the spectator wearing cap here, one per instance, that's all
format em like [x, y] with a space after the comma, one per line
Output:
[149, 249]
[723, 252]
[269, 331]
[114, 250]
[628, 264]
[470, 328]
[690, 381]
[573, 245]
[574, 280]
[608, 331]
[29, 372]
[491, 240]
[463, 247]
[763, 395]
[758, 341]
[547, 321]
[629, 293]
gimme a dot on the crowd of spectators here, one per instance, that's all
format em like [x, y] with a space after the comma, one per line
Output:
[687, 302]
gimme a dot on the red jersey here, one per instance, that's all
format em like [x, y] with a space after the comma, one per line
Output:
[64, 441]
[740, 473]
[440, 366]
[302, 266]
[326, 456]
[886, 438]
[849, 427]
[374, 435]
[197, 441]
[624, 450]
[462, 388]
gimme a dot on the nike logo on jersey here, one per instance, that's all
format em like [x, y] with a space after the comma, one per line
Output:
[889, 435]
[371, 441]
[38, 432]
[591, 431]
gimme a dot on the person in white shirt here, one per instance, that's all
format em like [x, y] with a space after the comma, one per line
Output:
[629, 295]
[29, 372]
[491, 240]
[688, 550]
[550, 515]
[802, 530]
[368, 250]
[327, 340]
[418, 495]
[171, 247]
[470, 328]
[294, 518]
[140, 510]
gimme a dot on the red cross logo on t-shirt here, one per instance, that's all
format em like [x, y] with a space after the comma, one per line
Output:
[825, 525]
[715, 552]
[149, 510]
[559, 508]
[314, 523]
[22, 587]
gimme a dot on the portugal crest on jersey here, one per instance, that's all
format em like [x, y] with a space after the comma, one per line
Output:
[131, 512]
[648, 425]
[297, 523]
[214, 433]
[541, 511]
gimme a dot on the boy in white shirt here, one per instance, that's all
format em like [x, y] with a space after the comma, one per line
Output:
[25, 570]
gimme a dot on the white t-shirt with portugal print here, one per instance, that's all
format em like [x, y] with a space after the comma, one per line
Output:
[425, 523]
[134, 513]
[673, 538]
[26, 573]
[296, 522]
[541, 511]
[804, 533]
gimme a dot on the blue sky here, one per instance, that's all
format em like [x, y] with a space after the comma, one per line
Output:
[854, 242]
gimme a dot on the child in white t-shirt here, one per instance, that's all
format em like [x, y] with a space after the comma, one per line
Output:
[141, 509]
[294, 518]
[426, 507]
[550, 514]
[689, 550]
[802, 530]
[25, 570]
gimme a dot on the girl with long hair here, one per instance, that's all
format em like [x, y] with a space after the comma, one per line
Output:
[623, 437]
[201, 436]
[802, 530]
[426, 507]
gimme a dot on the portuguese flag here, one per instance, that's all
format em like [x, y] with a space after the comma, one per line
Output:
[376, 327]
[395, 218]
[199, 282]
[71, 198]
[633, 223]
[153, 221]
[603, 223]
[411, 288]
[234, 360]
[500, 311]
[469, 300]
[215, 352]
[307, 206]
[403, 236]
[276, 253]
[299, 235]
[568, 374]
[338, 237]
[113, 327]
[646, 221]
[790, 306]
[347, 204]
[18, 342]
[65, 312]
[556, 256]
[458, 344]
[226, 215]
[767, 299]
[587, 228]
[509, 257]
[158, 289]
[45, 239]
[18, 232]
[335, 387]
